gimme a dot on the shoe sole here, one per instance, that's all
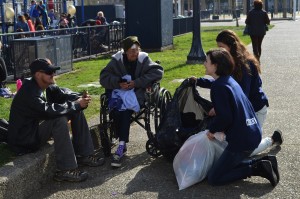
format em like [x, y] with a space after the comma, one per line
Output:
[271, 175]
[69, 180]
[280, 133]
[115, 165]
[274, 164]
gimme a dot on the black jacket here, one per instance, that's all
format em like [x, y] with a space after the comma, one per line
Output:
[257, 21]
[30, 106]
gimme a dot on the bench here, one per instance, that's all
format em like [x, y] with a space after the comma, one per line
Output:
[26, 174]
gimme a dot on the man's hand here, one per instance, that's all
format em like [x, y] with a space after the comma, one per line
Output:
[84, 102]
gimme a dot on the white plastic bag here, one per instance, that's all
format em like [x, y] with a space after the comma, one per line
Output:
[195, 158]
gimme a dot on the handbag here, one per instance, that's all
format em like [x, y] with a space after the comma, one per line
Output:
[246, 30]
[267, 27]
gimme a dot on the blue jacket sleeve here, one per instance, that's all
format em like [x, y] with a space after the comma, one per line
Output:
[221, 101]
[204, 82]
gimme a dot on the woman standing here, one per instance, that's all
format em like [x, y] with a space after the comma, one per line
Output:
[257, 21]
[29, 22]
[236, 118]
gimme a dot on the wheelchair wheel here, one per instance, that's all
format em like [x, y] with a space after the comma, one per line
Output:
[107, 132]
[163, 99]
[152, 149]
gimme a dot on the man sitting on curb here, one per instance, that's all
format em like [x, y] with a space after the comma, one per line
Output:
[41, 110]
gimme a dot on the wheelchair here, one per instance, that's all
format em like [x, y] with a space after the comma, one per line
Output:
[156, 100]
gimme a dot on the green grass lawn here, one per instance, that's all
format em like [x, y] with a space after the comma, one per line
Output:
[173, 61]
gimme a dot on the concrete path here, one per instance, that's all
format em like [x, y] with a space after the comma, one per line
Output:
[145, 177]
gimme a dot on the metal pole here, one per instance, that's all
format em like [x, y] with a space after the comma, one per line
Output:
[196, 55]
[294, 10]
[82, 11]
[2, 14]
[248, 6]
[25, 5]
[15, 17]
[64, 6]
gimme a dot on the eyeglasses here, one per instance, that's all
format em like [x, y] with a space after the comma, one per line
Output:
[47, 72]
[133, 51]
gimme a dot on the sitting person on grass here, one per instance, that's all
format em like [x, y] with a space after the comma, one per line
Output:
[41, 110]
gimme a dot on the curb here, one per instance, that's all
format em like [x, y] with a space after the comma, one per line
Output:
[26, 174]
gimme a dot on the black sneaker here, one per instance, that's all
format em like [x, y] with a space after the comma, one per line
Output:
[74, 175]
[91, 160]
[277, 137]
[116, 160]
[264, 169]
[273, 160]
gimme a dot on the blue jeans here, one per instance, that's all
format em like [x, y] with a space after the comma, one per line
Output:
[231, 166]
[65, 149]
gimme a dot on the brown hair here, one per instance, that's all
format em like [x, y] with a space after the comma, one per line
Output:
[21, 18]
[258, 4]
[238, 50]
[223, 60]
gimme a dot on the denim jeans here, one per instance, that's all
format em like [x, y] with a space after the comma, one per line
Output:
[65, 148]
[231, 166]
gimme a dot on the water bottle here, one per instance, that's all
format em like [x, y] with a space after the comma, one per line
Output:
[19, 84]
[85, 93]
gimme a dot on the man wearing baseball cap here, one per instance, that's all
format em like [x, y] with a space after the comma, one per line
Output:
[41, 110]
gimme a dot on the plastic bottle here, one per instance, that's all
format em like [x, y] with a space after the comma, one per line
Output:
[19, 84]
[85, 93]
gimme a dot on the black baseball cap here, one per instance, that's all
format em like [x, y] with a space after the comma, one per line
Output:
[42, 64]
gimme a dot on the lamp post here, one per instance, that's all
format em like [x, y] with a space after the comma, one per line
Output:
[71, 10]
[196, 55]
[248, 6]
[7, 13]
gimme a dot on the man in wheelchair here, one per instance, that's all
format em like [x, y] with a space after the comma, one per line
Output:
[129, 70]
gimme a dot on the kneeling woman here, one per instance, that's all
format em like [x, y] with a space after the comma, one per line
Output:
[236, 118]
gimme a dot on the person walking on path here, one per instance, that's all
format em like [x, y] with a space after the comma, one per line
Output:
[41, 110]
[257, 21]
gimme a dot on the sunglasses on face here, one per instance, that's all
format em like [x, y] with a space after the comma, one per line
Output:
[47, 72]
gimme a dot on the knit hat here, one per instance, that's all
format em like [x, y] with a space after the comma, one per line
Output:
[129, 41]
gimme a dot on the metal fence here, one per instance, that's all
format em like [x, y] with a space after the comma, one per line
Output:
[20, 49]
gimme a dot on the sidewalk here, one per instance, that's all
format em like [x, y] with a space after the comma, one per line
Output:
[144, 177]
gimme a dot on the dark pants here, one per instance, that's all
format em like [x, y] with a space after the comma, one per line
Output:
[231, 166]
[256, 45]
[66, 149]
[122, 122]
